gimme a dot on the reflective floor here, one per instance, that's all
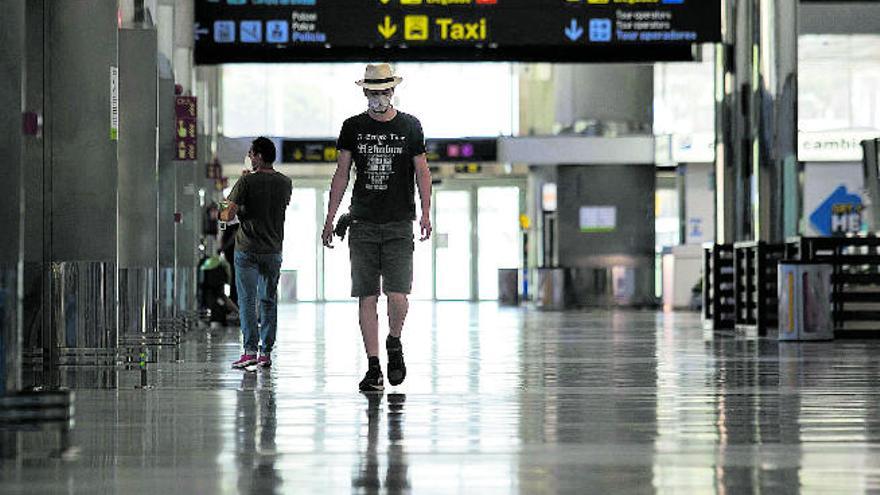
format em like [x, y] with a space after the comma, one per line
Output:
[498, 400]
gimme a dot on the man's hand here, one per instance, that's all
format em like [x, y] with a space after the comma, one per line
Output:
[228, 213]
[327, 235]
[425, 223]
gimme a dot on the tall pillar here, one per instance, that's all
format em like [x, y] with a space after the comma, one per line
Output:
[778, 205]
[80, 185]
[138, 182]
[736, 108]
[757, 193]
[35, 314]
[616, 267]
[12, 66]
[593, 92]
[727, 138]
[167, 197]
[187, 236]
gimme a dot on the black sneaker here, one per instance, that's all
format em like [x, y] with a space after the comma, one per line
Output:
[396, 366]
[373, 381]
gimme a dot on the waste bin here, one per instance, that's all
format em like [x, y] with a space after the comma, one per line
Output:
[508, 286]
[287, 286]
[805, 301]
[551, 289]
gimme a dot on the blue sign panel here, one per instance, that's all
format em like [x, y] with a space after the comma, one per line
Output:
[840, 213]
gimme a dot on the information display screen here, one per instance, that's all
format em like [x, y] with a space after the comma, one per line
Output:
[595, 219]
[513, 30]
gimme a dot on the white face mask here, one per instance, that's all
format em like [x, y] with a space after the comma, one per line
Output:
[248, 164]
[379, 103]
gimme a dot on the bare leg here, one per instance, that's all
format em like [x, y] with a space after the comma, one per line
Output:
[398, 306]
[369, 320]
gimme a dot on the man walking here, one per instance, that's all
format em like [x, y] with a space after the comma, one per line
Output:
[387, 148]
[260, 199]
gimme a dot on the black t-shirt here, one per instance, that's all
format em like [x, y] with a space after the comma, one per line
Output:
[382, 153]
[262, 198]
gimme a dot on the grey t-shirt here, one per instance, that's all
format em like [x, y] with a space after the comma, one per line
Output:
[262, 198]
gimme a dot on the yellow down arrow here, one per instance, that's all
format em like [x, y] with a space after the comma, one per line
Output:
[388, 29]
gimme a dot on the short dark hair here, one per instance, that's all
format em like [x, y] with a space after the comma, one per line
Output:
[265, 147]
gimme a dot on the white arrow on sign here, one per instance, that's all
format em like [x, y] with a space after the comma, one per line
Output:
[199, 31]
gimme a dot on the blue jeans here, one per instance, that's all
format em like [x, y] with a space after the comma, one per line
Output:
[256, 276]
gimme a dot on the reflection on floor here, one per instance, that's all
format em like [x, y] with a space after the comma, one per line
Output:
[498, 400]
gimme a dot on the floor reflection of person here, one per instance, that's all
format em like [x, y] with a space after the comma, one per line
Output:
[255, 425]
[366, 477]
[397, 476]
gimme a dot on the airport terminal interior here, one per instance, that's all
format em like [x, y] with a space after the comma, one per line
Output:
[653, 263]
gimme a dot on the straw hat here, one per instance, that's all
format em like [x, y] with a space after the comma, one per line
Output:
[379, 77]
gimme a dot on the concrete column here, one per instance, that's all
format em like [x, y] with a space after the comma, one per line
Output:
[208, 92]
[756, 126]
[36, 321]
[736, 105]
[167, 197]
[12, 84]
[607, 92]
[778, 205]
[138, 181]
[616, 267]
[727, 114]
[80, 191]
[187, 236]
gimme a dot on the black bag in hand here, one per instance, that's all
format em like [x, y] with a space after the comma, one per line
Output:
[342, 226]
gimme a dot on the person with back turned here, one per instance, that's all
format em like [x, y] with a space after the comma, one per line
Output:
[260, 199]
[387, 148]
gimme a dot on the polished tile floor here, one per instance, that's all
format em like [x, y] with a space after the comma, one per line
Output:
[498, 400]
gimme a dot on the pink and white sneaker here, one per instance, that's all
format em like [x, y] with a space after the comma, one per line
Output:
[264, 362]
[245, 360]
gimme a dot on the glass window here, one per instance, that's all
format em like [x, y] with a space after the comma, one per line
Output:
[684, 97]
[312, 100]
[838, 82]
[423, 261]
[453, 241]
[337, 265]
[499, 235]
[300, 242]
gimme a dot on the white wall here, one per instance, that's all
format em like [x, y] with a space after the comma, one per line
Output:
[699, 203]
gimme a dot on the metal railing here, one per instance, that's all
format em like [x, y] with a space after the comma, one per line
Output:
[718, 287]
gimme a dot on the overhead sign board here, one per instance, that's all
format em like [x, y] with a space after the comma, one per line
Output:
[462, 150]
[466, 150]
[515, 30]
[308, 151]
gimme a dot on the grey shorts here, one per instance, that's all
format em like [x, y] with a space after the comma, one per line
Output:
[381, 251]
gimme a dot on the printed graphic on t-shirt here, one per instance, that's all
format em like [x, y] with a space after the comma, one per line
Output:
[379, 152]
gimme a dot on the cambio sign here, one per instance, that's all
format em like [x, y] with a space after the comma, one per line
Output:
[833, 146]
[826, 146]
